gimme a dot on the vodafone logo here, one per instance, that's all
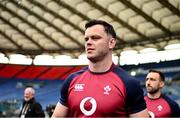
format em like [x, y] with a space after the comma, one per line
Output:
[91, 103]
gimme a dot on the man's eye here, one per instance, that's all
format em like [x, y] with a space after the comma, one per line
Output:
[96, 37]
[86, 39]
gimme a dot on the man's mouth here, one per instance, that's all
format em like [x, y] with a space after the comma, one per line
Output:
[89, 49]
[148, 87]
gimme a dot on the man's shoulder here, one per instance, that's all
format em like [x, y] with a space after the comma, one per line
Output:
[35, 102]
[124, 75]
[168, 99]
[173, 104]
[79, 72]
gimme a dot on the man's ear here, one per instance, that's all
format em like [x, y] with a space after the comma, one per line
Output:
[112, 43]
[162, 83]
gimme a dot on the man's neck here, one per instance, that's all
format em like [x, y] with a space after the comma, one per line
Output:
[101, 66]
[154, 96]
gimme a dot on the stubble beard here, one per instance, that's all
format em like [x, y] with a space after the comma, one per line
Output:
[93, 59]
[152, 90]
[97, 57]
[26, 99]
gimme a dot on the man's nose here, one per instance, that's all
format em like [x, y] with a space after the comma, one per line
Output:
[89, 41]
[147, 81]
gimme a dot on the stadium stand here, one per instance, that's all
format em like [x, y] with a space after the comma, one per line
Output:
[47, 81]
[56, 27]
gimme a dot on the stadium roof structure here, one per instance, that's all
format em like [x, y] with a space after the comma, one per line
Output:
[33, 27]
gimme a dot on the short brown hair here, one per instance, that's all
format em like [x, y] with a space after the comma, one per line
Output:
[108, 27]
[162, 77]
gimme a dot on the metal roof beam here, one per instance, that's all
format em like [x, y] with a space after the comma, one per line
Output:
[55, 27]
[24, 8]
[11, 40]
[144, 43]
[114, 17]
[63, 4]
[170, 7]
[38, 52]
[147, 17]
[55, 14]
[14, 27]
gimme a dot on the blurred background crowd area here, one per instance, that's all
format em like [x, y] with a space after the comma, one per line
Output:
[47, 81]
[39, 37]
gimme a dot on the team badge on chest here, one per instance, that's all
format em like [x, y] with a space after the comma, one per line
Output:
[107, 89]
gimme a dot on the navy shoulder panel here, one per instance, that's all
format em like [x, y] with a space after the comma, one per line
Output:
[134, 94]
[66, 83]
[174, 106]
